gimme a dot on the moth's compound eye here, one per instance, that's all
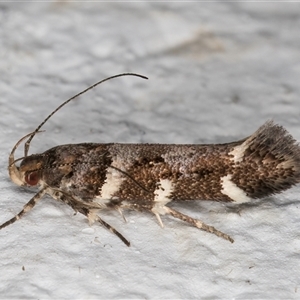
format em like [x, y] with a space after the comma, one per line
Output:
[32, 178]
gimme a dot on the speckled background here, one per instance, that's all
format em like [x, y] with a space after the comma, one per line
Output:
[217, 71]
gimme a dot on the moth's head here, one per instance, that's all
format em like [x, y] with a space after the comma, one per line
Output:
[29, 171]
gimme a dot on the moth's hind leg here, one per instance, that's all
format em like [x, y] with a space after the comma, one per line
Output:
[197, 223]
[27, 207]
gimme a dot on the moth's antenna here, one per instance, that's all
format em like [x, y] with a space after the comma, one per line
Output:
[27, 144]
[13, 170]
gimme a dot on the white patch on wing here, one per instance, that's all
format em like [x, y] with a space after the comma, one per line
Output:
[162, 195]
[231, 190]
[238, 151]
[112, 184]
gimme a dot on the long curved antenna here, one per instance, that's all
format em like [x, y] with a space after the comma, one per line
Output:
[27, 144]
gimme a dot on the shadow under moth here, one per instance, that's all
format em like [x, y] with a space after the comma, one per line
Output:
[92, 177]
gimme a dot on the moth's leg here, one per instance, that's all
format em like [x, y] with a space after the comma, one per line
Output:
[120, 211]
[93, 216]
[27, 207]
[89, 211]
[114, 231]
[157, 215]
[197, 223]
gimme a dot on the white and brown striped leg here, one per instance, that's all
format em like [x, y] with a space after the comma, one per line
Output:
[114, 231]
[93, 217]
[27, 207]
[89, 212]
[197, 223]
[162, 196]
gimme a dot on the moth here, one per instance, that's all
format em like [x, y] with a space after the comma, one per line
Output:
[92, 177]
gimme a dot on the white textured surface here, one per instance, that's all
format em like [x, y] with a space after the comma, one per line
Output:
[217, 72]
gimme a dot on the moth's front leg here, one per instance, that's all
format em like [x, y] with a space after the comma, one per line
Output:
[27, 207]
